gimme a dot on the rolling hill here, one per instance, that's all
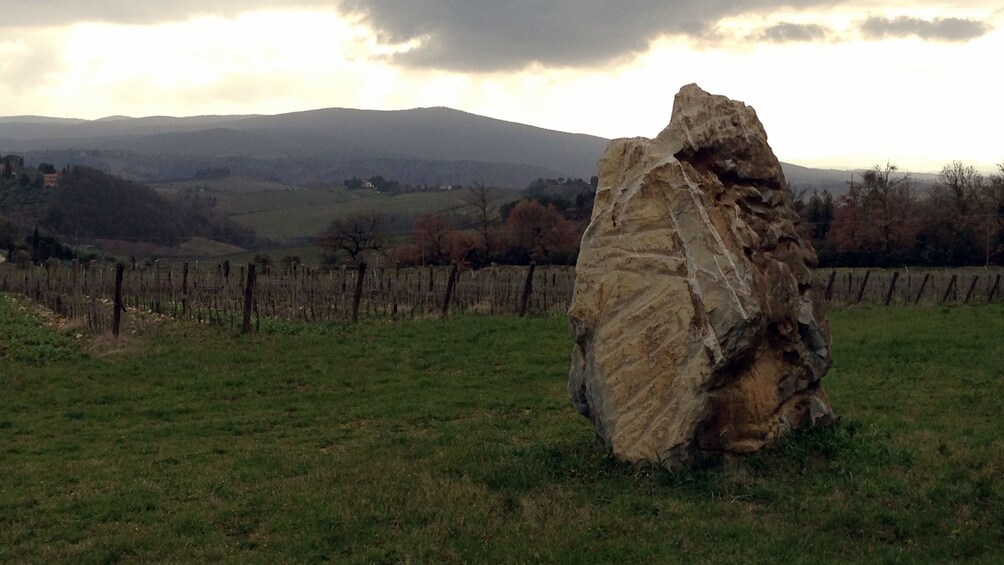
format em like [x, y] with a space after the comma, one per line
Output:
[420, 146]
[286, 170]
[423, 146]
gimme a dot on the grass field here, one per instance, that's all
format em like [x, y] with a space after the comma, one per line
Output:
[304, 212]
[452, 441]
[284, 212]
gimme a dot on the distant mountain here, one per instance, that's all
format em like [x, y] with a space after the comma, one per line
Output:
[420, 146]
[838, 181]
[423, 146]
[38, 120]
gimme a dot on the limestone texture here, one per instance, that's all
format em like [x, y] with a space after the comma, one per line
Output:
[695, 325]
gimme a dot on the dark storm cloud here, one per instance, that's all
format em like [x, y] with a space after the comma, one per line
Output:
[786, 32]
[481, 35]
[939, 29]
[495, 34]
[492, 35]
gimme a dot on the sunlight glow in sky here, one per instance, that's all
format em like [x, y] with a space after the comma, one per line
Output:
[834, 98]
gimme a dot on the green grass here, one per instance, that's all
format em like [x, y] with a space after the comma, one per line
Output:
[24, 339]
[452, 441]
[288, 214]
[203, 247]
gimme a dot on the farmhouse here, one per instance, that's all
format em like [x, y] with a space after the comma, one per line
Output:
[50, 180]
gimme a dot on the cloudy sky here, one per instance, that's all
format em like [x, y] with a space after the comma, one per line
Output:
[837, 83]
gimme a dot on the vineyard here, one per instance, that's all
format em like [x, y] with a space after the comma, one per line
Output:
[232, 295]
[244, 295]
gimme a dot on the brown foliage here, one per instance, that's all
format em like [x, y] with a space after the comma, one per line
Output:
[539, 230]
[434, 241]
[877, 215]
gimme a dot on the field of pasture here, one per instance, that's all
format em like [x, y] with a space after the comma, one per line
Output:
[451, 440]
[281, 212]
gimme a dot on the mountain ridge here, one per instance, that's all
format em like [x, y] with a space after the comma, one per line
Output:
[456, 147]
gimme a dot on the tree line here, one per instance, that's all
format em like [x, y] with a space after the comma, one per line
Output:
[543, 226]
[885, 219]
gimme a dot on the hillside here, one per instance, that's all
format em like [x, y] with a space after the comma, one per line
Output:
[92, 205]
[836, 181]
[283, 174]
[420, 146]
[423, 146]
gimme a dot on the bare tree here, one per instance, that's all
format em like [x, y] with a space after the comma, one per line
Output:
[961, 215]
[876, 216]
[481, 215]
[432, 239]
[355, 234]
[961, 186]
[893, 200]
[8, 237]
[994, 208]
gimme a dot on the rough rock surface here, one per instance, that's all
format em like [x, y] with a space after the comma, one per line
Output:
[695, 327]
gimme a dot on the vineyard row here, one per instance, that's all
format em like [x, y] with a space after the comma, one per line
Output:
[244, 295]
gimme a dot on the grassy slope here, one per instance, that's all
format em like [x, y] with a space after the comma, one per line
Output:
[453, 441]
[203, 247]
[281, 212]
[306, 213]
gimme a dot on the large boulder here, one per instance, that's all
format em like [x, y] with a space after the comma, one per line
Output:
[696, 327]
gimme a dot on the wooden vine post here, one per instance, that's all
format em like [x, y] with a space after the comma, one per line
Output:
[527, 290]
[248, 299]
[950, 289]
[118, 306]
[864, 284]
[828, 295]
[358, 296]
[892, 288]
[450, 285]
[923, 285]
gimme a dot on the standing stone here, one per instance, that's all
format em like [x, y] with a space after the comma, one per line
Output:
[695, 324]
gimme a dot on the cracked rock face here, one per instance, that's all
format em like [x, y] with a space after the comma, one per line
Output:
[695, 325]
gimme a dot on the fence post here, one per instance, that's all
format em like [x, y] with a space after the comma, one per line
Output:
[184, 291]
[923, 284]
[951, 287]
[527, 289]
[248, 299]
[864, 283]
[77, 292]
[450, 284]
[892, 287]
[993, 290]
[829, 286]
[359, 291]
[972, 287]
[491, 290]
[156, 287]
[92, 289]
[118, 307]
